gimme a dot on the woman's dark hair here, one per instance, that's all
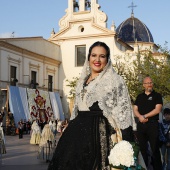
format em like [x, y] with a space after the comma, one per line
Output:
[100, 44]
[166, 111]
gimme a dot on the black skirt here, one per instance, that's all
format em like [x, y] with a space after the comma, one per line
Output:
[85, 144]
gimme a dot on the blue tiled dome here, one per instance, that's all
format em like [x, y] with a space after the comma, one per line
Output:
[132, 30]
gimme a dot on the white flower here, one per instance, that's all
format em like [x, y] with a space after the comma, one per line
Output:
[122, 154]
[109, 102]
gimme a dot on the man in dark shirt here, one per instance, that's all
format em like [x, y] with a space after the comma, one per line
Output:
[147, 107]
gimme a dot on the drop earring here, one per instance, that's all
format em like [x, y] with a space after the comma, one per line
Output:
[88, 70]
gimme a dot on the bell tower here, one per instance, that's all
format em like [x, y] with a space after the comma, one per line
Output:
[83, 9]
[81, 5]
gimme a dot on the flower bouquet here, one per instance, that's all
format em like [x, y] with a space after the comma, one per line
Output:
[124, 156]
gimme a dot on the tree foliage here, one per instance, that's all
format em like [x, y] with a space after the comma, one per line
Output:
[72, 84]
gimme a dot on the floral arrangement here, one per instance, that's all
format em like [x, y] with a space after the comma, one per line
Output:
[124, 155]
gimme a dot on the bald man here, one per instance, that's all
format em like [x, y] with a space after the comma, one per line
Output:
[147, 107]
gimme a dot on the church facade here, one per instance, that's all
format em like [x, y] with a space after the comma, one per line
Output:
[61, 57]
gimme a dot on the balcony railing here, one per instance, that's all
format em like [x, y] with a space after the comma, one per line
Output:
[4, 84]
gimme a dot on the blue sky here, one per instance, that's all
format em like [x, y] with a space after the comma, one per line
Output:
[29, 18]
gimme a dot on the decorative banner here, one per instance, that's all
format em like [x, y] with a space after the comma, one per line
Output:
[34, 104]
[39, 105]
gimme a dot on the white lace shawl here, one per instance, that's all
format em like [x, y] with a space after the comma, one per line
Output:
[110, 91]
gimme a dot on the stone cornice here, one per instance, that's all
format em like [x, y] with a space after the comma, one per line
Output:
[14, 60]
[25, 39]
[34, 65]
[83, 37]
[51, 70]
[29, 54]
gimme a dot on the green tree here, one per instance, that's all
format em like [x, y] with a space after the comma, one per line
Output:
[72, 84]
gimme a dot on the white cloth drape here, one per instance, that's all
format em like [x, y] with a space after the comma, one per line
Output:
[54, 105]
[16, 105]
[23, 94]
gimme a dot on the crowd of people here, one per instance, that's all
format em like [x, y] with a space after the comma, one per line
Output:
[42, 134]
[24, 127]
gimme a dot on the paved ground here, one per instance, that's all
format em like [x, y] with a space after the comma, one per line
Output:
[21, 155]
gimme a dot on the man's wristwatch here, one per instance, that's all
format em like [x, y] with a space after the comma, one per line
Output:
[144, 117]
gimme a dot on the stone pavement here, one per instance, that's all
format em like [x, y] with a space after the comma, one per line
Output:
[21, 155]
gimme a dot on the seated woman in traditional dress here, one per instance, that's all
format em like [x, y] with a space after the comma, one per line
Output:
[102, 103]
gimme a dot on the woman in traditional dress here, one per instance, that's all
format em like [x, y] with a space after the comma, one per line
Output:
[59, 126]
[35, 134]
[102, 104]
[47, 135]
[53, 127]
[2, 142]
[47, 144]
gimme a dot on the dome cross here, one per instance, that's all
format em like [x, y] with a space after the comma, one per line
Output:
[132, 6]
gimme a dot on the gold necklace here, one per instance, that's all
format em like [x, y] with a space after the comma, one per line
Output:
[91, 79]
